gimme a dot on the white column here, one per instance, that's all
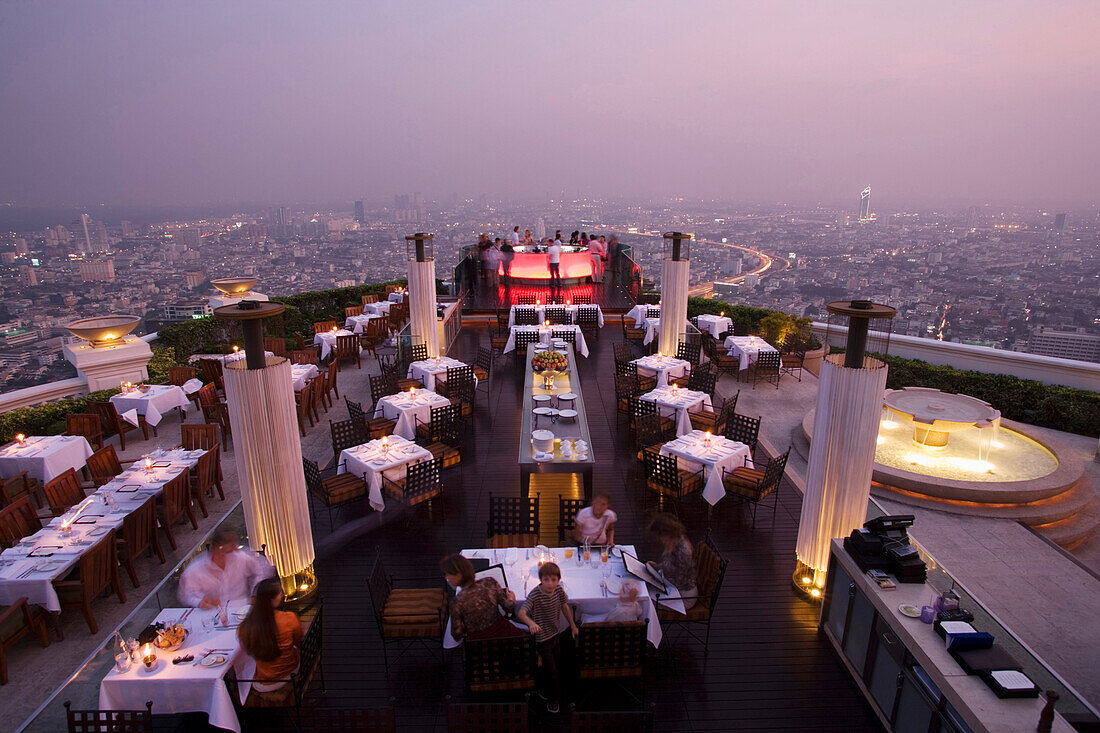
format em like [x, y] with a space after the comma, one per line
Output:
[103, 367]
[674, 305]
[842, 457]
[269, 466]
[423, 323]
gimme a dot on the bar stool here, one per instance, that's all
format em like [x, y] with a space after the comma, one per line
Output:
[567, 400]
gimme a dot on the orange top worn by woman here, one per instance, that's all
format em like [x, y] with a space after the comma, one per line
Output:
[271, 637]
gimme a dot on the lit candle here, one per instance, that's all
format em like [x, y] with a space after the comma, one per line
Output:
[148, 655]
[538, 302]
[385, 444]
[236, 348]
[722, 313]
[148, 464]
[547, 323]
[706, 438]
[21, 439]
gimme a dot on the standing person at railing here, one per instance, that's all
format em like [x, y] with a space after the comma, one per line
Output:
[613, 252]
[597, 250]
[491, 265]
[553, 253]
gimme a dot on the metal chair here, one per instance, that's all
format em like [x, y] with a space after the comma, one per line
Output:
[334, 491]
[346, 434]
[405, 616]
[715, 422]
[766, 369]
[689, 353]
[557, 315]
[513, 521]
[504, 664]
[710, 571]
[567, 518]
[614, 651]
[664, 476]
[743, 429]
[421, 483]
[109, 721]
[753, 485]
[505, 717]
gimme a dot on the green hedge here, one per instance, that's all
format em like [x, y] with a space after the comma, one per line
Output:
[774, 326]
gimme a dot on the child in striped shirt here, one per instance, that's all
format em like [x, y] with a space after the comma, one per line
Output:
[540, 613]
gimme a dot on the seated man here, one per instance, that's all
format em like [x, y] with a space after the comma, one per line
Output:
[224, 573]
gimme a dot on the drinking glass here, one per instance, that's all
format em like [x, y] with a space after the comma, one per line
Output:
[568, 553]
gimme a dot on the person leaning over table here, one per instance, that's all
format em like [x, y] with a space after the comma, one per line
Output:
[475, 610]
[677, 561]
[271, 637]
[224, 573]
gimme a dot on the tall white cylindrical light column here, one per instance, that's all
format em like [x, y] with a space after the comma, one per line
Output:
[674, 291]
[268, 452]
[842, 453]
[423, 322]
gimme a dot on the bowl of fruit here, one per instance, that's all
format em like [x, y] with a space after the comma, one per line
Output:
[170, 637]
[547, 361]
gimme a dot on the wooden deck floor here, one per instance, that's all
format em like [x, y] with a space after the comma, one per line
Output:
[768, 668]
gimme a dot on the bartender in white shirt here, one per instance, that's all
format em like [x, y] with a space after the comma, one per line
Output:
[553, 253]
[224, 573]
[513, 238]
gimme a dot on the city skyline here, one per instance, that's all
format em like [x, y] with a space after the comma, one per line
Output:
[171, 104]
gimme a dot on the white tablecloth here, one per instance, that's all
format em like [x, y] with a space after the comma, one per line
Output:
[191, 687]
[723, 454]
[327, 341]
[370, 460]
[582, 583]
[428, 371]
[358, 324]
[747, 348]
[378, 309]
[715, 325]
[227, 358]
[153, 404]
[300, 374]
[396, 297]
[545, 337]
[638, 313]
[94, 517]
[662, 367]
[678, 402]
[571, 311]
[406, 409]
[46, 457]
[652, 329]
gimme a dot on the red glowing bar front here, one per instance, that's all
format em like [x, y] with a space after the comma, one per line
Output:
[536, 266]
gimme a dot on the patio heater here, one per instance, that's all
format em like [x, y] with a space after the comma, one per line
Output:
[422, 305]
[674, 291]
[268, 452]
[842, 454]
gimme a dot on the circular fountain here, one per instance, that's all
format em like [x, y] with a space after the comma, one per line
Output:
[934, 415]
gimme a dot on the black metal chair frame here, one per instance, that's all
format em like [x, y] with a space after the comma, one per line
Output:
[766, 368]
[513, 515]
[314, 478]
[567, 518]
[769, 483]
[743, 429]
[599, 645]
[378, 582]
[686, 624]
[346, 434]
[107, 721]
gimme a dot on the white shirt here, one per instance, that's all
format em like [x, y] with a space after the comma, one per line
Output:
[203, 579]
[554, 250]
[593, 528]
[514, 237]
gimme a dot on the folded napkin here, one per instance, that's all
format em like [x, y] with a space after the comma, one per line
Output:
[131, 416]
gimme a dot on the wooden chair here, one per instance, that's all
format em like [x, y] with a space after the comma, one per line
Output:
[174, 505]
[374, 336]
[765, 369]
[500, 665]
[567, 518]
[16, 621]
[211, 372]
[303, 356]
[18, 486]
[612, 721]
[89, 425]
[513, 521]
[405, 615]
[421, 483]
[353, 310]
[743, 429]
[103, 465]
[203, 436]
[138, 535]
[97, 569]
[613, 650]
[63, 491]
[218, 414]
[333, 491]
[110, 721]
[18, 520]
[346, 434]
[112, 423]
[369, 299]
[204, 479]
[275, 344]
[710, 571]
[506, 717]
[753, 485]
[347, 347]
[715, 422]
[206, 395]
[323, 326]
[664, 476]
[443, 434]
[181, 375]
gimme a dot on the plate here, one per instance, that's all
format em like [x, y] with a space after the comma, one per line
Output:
[614, 585]
[567, 413]
[541, 411]
[378, 462]
[214, 660]
[46, 566]
[908, 609]
[544, 457]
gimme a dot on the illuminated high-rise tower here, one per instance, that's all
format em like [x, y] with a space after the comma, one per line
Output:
[865, 204]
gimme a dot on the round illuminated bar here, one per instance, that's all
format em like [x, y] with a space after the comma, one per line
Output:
[532, 264]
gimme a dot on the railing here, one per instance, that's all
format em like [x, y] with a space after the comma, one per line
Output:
[627, 273]
[1046, 369]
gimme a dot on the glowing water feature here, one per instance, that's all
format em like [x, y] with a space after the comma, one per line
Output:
[970, 455]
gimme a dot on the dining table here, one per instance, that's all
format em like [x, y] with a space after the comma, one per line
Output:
[546, 336]
[714, 325]
[662, 367]
[570, 310]
[714, 454]
[197, 686]
[44, 457]
[358, 324]
[434, 370]
[327, 340]
[381, 308]
[747, 348]
[152, 401]
[640, 312]
[300, 374]
[375, 459]
[409, 408]
[31, 566]
[591, 586]
[678, 403]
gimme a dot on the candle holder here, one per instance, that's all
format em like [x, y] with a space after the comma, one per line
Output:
[21, 439]
[149, 657]
[706, 439]
[66, 529]
[148, 464]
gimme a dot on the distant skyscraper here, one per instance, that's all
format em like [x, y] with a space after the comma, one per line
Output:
[282, 216]
[128, 229]
[972, 217]
[540, 229]
[85, 220]
[359, 215]
[1059, 222]
[865, 204]
[421, 208]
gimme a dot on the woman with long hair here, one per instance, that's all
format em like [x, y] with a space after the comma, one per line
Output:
[271, 637]
[476, 608]
[677, 562]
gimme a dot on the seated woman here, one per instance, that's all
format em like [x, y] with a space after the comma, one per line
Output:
[677, 562]
[271, 637]
[475, 610]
